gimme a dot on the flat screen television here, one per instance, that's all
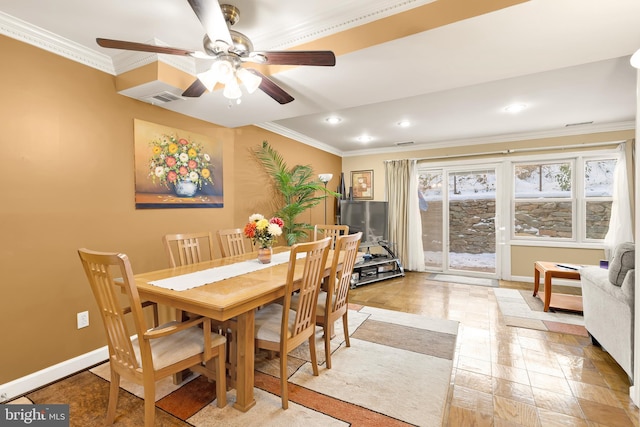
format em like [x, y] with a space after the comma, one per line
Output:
[370, 217]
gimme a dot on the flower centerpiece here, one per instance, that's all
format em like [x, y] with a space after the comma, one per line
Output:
[263, 232]
[180, 163]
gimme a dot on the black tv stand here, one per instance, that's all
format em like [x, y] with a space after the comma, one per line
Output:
[376, 267]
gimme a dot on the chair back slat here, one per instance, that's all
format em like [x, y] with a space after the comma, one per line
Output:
[232, 242]
[189, 248]
[348, 245]
[320, 231]
[312, 272]
[189, 251]
[101, 268]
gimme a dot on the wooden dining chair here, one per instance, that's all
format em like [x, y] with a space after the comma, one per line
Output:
[333, 303]
[154, 353]
[277, 327]
[231, 242]
[188, 247]
[320, 231]
[189, 250]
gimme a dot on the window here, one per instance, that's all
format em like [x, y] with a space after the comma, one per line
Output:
[569, 199]
[598, 195]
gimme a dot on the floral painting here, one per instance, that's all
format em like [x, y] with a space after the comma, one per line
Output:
[175, 168]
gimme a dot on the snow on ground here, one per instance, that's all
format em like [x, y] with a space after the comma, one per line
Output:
[462, 261]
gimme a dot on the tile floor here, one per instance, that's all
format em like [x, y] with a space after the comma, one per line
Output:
[506, 376]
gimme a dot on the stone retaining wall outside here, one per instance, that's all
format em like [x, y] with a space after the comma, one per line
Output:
[472, 224]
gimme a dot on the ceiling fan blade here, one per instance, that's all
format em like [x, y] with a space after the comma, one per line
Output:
[142, 47]
[212, 19]
[272, 89]
[195, 90]
[297, 57]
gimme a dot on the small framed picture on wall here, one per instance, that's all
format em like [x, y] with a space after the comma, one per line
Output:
[362, 185]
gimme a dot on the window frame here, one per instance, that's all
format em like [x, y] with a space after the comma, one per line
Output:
[578, 197]
[586, 199]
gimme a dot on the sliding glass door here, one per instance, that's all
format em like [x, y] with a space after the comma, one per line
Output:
[431, 198]
[458, 213]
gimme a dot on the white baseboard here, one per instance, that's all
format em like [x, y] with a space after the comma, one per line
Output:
[53, 373]
[633, 391]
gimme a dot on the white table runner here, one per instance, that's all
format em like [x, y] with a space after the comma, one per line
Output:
[199, 278]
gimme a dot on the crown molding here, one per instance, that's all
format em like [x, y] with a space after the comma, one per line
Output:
[281, 130]
[125, 61]
[350, 14]
[524, 136]
[46, 40]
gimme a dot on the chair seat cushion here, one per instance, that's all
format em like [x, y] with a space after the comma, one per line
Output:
[623, 260]
[322, 302]
[268, 323]
[173, 348]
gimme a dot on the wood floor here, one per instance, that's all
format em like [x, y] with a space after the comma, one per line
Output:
[506, 376]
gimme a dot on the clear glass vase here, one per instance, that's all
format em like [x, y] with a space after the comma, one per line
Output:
[264, 255]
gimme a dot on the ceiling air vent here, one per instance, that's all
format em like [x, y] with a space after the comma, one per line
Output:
[162, 98]
[399, 144]
[578, 124]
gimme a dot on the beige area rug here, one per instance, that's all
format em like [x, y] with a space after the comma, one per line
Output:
[396, 372]
[521, 309]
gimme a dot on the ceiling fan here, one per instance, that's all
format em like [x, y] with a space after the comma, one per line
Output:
[229, 49]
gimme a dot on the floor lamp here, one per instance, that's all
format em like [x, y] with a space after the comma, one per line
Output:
[324, 178]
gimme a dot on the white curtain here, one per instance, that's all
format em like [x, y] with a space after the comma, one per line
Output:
[620, 228]
[405, 227]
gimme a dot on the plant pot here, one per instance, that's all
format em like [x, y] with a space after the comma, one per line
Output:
[185, 188]
[264, 255]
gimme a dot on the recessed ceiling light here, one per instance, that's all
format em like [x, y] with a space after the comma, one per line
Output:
[635, 59]
[333, 120]
[404, 123]
[365, 138]
[515, 108]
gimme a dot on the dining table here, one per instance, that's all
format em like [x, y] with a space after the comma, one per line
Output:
[246, 285]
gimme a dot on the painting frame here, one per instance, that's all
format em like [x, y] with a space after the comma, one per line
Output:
[176, 168]
[362, 185]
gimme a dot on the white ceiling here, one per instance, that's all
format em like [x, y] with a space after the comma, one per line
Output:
[568, 60]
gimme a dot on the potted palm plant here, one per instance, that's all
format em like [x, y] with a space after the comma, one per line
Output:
[297, 189]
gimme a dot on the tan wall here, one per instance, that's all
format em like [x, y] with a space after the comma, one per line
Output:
[67, 160]
[522, 257]
[249, 176]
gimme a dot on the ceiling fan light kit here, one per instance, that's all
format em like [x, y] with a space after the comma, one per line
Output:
[250, 81]
[232, 90]
[230, 49]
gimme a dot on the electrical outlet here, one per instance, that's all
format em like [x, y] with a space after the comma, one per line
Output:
[83, 319]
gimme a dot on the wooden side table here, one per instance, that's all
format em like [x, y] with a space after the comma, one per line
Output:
[549, 270]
